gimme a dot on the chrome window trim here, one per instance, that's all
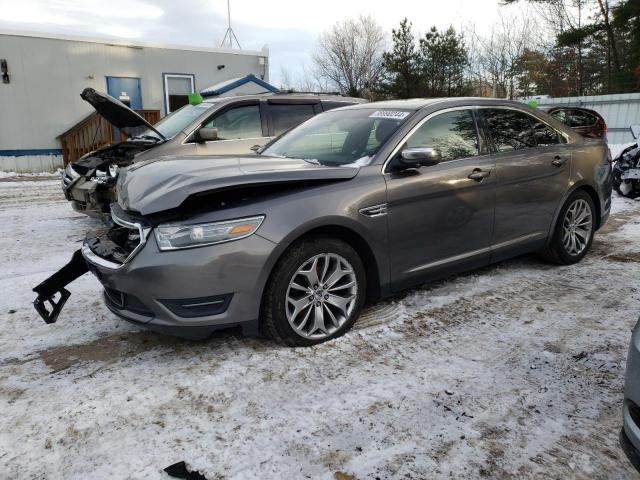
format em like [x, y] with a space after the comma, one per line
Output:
[394, 152]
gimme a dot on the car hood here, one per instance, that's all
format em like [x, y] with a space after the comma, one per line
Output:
[165, 183]
[114, 111]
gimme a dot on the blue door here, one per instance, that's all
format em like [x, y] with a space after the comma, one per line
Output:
[125, 89]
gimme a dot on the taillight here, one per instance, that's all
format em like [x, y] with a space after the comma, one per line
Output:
[601, 125]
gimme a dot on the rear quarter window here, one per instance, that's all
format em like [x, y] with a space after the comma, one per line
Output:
[580, 118]
[285, 116]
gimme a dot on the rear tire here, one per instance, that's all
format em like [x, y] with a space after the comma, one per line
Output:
[315, 292]
[574, 229]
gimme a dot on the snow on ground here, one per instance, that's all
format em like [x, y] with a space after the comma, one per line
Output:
[14, 176]
[512, 371]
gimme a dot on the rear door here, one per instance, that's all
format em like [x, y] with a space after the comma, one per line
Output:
[532, 174]
[240, 127]
[441, 217]
[285, 114]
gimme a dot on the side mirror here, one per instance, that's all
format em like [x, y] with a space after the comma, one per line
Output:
[255, 148]
[207, 134]
[420, 157]
[635, 131]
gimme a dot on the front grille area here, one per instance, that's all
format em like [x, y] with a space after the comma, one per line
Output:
[124, 301]
[117, 245]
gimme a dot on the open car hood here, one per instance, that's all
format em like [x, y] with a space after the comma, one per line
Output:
[165, 183]
[114, 111]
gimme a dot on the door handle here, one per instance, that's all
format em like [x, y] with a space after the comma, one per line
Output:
[478, 174]
[558, 161]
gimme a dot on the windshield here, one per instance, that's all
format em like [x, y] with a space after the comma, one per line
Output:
[177, 121]
[340, 137]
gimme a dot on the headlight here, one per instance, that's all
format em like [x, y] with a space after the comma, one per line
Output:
[173, 237]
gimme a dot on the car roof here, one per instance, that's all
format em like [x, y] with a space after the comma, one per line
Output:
[420, 103]
[287, 95]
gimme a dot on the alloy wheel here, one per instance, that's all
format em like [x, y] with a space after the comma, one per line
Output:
[576, 227]
[321, 296]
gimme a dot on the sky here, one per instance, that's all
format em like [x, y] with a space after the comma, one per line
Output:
[289, 28]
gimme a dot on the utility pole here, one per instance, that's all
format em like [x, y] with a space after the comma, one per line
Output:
[229, 36]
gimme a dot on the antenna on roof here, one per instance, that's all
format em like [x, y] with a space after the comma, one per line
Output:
[229, 36]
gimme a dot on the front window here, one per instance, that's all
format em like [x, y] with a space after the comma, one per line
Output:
[177, 121]
[453, 134]
[343, 137]
[237, 123]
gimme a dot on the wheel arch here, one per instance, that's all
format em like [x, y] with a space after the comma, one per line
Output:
[350, 236]
[594, 197]
[591, 191]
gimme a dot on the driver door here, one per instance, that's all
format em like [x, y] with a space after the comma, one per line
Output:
[441, 219]
[240, 127]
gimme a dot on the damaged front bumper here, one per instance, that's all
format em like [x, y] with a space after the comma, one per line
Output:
[53, 292]
[187, 293]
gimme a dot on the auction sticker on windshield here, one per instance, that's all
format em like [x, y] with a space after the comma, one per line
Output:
[393, 114]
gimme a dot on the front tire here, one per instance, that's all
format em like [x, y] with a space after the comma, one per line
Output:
[315, 292]
[574, 229]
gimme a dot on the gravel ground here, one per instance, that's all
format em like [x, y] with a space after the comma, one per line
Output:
[512, 371]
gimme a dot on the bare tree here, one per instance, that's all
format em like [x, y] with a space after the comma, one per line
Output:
[305, 81]
[350, 55]
[286, 83]
[495, 57]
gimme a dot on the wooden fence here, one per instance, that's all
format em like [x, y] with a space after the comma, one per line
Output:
[95, 132]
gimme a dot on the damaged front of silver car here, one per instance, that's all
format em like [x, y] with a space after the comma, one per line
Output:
[88, 183]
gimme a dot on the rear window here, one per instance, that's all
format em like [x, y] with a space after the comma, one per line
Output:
[580, 118]
[510, 129]
[285, 116]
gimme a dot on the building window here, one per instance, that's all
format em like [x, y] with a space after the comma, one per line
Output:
[177, 87]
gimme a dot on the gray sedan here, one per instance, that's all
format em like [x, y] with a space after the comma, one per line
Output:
[351, 206]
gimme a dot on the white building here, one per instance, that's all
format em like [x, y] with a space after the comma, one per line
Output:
[41, 78]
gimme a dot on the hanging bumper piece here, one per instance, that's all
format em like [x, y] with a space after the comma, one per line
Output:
[55, 284]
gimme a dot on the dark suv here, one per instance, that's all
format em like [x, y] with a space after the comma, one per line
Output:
[354, 204]
[586, 122]
[217, 126]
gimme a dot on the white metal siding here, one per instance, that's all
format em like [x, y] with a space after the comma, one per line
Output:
[47, 76]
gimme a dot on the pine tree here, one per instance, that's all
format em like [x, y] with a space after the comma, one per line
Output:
[443, 61]
[402, 76]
